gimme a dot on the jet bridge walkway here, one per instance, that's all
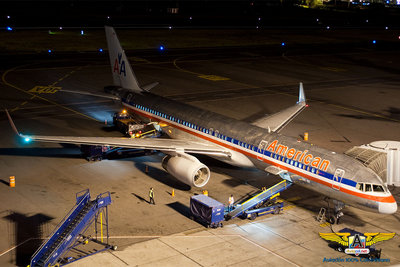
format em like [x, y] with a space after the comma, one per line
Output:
[70, 230]
[260, 198]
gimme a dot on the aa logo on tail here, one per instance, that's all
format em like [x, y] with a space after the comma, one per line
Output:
[119, 65]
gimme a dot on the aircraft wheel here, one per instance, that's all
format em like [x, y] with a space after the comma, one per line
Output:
[332, 219]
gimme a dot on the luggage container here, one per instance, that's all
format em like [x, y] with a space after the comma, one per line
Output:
[207, 211]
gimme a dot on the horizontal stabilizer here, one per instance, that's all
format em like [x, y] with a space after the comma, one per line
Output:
[150, 86]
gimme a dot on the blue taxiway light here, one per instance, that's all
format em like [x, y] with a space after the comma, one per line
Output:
[9, 28]
[82, 33]
[49, 50]
[27, 139]
[101, 50]
[161, 47]
[374, 41]
[283, 44]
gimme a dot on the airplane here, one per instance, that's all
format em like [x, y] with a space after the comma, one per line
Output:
[192, 130]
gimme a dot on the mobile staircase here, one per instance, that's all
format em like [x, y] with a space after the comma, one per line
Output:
[257, 200]
[69, 232]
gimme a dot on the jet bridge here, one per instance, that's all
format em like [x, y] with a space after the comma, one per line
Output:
[383, 157]
[68, 233]
[262, 197]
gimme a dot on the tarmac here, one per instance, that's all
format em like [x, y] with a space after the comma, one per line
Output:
[353, 97]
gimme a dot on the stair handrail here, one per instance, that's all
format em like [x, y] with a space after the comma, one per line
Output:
[62, 221]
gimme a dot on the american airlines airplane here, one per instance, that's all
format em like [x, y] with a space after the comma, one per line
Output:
[196, 131]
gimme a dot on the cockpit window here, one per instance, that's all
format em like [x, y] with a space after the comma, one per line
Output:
[378, 188]
[368, 188]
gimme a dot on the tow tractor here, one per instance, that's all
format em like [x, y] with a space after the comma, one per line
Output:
[133, 127]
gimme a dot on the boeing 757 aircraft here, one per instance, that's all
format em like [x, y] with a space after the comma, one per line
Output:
[196, 131]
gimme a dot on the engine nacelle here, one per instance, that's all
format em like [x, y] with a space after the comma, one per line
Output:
[187, 169]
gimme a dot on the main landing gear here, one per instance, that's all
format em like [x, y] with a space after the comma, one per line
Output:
[331, 215]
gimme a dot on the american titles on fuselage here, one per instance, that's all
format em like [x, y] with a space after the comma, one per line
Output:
[299, 156]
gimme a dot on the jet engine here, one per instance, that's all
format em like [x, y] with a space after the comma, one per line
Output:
[187, 169]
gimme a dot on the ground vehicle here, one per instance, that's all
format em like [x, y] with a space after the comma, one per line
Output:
[132, 127]
[207, 211]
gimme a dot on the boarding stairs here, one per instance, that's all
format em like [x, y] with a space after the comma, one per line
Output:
[70, 229]
[262, 197]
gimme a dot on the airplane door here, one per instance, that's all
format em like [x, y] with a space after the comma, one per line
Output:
[337, 177]
[261, 147]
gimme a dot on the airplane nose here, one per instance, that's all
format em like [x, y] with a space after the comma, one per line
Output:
[387, 208]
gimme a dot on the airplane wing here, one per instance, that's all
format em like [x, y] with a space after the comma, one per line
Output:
[276, 122]
[164, 145]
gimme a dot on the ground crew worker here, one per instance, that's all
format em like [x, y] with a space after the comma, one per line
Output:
[231, 201]
[151, 195]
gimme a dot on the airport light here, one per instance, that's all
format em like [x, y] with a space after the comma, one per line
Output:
[374, 41]
[170, 27]
[101, 50]
[49, 51]
[82, 33]
[283, 44]
[161, 48]
[60, 28]
[190, 18]
[27, 139]
[327, 27]
[386, 28]
[9, 28]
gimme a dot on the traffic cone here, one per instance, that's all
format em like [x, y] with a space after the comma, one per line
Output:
[12, 181]
[146, 170]
[306, 136]
[173, 193]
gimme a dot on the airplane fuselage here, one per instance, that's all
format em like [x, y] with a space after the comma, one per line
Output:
[337, 176]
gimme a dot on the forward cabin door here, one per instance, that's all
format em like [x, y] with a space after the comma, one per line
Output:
[337, 177]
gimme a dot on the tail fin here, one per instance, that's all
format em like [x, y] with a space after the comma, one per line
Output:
[121, 69]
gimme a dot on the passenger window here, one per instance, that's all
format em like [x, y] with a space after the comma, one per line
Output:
[378, 188]
[360, 186]
[368, 188]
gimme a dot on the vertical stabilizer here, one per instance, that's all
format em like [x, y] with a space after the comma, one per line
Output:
[120, 68]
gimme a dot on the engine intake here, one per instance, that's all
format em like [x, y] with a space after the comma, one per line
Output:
[187, 169]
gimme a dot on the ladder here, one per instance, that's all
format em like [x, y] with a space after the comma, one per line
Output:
[69, 230]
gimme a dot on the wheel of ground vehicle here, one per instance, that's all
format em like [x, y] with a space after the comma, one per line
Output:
[277, 210]
[253, 216]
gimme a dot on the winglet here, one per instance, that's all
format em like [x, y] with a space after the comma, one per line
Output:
[302, 96]
[12, 123]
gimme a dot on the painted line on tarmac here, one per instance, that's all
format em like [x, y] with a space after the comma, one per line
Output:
[3, 78]
[14, 247]
[210, 77]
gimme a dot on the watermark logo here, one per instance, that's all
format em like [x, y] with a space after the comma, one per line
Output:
[355, 243]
